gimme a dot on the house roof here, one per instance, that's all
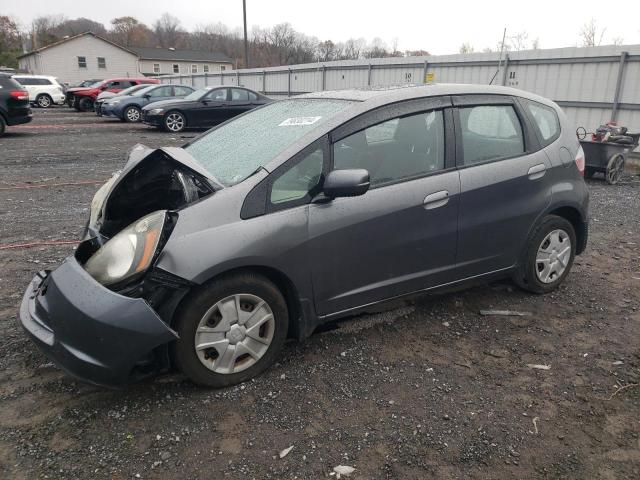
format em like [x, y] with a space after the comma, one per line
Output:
[146, 53]
[68, 39]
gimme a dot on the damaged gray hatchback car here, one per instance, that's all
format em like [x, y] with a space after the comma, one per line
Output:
[208, 257]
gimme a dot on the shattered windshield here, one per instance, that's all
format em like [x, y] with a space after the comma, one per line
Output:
[235, 150]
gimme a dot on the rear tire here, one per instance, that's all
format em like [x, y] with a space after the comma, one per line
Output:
[85, 104]
[174, 122]
[546, 260]
[44, 101]
[3, 126]
[201, 322]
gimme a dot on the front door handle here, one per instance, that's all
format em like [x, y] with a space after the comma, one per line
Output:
[537, 171]
[435, 200]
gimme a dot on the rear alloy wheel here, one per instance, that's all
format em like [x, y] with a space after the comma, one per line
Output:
[230, 330]
[174, 122]
[44, 101]
[85, 104]
[548, 257]
[615, 169]
[132, 115]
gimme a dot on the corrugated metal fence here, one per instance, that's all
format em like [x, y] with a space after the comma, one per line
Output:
[593, 85]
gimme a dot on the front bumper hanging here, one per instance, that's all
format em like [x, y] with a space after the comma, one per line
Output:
[91, 332]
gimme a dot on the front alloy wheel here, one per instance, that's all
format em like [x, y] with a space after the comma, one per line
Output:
[132, 115]
[174, 122]
[230, 329]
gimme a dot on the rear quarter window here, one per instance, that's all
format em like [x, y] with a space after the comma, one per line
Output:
[545, 120]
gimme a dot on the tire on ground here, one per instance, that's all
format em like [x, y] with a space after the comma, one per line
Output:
[193, 309]
[525, 276]
[85, 104]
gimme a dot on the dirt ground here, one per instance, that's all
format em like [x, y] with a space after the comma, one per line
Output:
[427, 389]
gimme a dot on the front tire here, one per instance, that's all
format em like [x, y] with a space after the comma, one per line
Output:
[230, 330]
[174, 122]
[132, 115]
[85, 104]
[44, 101]
[548, 256]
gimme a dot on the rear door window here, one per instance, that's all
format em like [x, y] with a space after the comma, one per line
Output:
[239, 95]
[490, 132]
[546, 121]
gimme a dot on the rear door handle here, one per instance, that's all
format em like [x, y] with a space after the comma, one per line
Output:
[435, 200]
[537, 171]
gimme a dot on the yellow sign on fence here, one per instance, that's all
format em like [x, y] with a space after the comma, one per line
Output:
[430, 77]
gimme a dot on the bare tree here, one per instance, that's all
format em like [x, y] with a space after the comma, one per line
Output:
[518, 41]
[10, 41]
[376, 49]
[44, 30]
[129, 32]
[167, 30]
[535, 45]
[617, 41]
[466, 47]
[590, 35]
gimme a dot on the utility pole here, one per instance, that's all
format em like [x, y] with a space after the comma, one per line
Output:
[246, 45]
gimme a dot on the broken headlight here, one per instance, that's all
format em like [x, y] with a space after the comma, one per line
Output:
[129, 252]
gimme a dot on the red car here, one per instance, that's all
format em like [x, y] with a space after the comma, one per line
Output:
[82, 98]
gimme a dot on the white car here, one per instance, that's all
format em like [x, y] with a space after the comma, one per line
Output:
[43, 90]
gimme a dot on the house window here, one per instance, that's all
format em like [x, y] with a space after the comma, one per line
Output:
[102, 62]
[82, 62]
[205, 68]
[223, 67]
[156, 68]
[176, 68]
[194, 68]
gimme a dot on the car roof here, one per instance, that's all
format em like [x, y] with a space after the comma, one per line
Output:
[395, 93]
[28, 75]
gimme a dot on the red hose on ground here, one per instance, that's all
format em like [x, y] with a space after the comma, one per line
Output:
[9, 246]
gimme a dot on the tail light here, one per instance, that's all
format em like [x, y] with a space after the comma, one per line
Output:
[19, 94]
[580, 160]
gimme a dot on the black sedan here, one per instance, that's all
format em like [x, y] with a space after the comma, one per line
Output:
[203, 108]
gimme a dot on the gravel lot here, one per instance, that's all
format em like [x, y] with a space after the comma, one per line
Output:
[428, 389]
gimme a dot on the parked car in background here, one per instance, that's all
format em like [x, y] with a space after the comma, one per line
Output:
[104, 96]
[83, 98]
[307, 210]
[44, 90]
[203, 108]
[85, 83]
[128, 108]
[15, 107]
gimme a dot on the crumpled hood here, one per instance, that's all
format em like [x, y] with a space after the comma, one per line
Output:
[159, 174]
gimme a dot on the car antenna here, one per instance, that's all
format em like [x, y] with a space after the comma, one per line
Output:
[504, 34]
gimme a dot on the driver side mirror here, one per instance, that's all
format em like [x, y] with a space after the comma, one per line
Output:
[146, 95]
[346, 183]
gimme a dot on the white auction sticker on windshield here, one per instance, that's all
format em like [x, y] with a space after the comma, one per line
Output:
[299, 121]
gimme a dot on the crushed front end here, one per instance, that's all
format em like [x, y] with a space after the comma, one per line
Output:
[104, 315]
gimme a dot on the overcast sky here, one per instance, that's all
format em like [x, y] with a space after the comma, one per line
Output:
[439, 27]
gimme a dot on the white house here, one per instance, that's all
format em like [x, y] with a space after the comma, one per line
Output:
[89, 56]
